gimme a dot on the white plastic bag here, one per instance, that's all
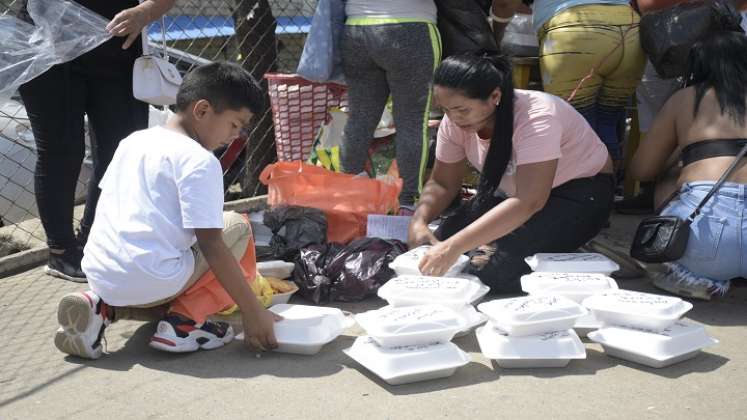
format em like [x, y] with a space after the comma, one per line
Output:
[519, 39]
[63, 31]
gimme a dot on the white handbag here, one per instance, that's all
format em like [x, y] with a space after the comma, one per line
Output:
[154, 79]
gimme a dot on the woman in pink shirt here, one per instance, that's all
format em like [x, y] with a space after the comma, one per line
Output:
[546, 181]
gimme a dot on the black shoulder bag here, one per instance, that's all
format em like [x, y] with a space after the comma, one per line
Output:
[664, 238]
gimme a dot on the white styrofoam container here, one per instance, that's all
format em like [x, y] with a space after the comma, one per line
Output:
[473, 318]
[279, 298]
[407, 364]
[553, 349]
[531, 315]
[407, 263]
[306, 329]
[275, 268]
[586, 324]
[454, 292]
[411, 325]
[572, 262]
[637, 309]
[681, 341]
[574, 286]
[482, 291]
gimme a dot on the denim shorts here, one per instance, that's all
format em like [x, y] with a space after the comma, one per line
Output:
[717, 247]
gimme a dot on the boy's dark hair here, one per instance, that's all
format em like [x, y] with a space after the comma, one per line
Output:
[224, 85]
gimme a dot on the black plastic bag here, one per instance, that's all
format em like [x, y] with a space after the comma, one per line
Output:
[294, 228]
[464, 27]
[668, 35]
[326, 273]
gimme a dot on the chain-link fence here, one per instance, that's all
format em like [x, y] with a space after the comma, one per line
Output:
[261, 35]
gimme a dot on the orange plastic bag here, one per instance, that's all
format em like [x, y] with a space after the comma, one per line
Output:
[346, 200]
[207, 296]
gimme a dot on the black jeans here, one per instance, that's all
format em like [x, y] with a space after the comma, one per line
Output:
[97, 84]
[575, 212]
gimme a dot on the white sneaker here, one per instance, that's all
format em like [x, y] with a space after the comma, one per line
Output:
[83, 317]
[176, 334]
[681, 281]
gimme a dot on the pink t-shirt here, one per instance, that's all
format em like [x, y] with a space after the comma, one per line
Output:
[545, 128]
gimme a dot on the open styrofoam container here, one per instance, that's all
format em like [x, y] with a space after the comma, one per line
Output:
[278, 298]
[574, 262]
[306, 329]
[586, 324]
[411, 325]
[454, 292]
[531, 315]
[407, 263]
[574, 286]
[553, 349]
[681, 341]
[472, 317]
[275, 268]
[637, 309]
[407, 364]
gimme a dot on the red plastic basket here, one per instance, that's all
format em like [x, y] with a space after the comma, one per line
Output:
[299, 108]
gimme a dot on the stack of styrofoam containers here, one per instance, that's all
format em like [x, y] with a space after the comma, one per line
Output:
[646, 328]
[574, 286]
[457, 290]
[531, 331]
[409, 344]
[591, 273]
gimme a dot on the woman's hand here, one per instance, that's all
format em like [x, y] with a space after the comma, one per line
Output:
[129, 23]
[439, 259]
[418, 233]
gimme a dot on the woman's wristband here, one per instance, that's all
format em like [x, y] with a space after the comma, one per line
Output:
[498, 19]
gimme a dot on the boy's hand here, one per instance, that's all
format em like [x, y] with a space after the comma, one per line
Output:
[259, 329]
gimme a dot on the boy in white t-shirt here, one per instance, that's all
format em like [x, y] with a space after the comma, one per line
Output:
[160, 224]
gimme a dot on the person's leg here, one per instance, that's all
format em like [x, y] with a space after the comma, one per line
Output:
[186, 328]
[620, 80]
[113, 114]
[367, 95]
[573, 215]
[409, 71]
[55, 102]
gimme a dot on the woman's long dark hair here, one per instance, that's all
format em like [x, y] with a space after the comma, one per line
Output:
[477, 76]
[719, 61]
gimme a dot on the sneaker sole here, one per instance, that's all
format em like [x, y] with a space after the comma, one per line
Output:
[74, 316]
[59, 274]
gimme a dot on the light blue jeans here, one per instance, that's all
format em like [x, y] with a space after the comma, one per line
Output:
[717, 247]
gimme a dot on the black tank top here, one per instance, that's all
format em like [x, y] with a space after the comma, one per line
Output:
[705, 149]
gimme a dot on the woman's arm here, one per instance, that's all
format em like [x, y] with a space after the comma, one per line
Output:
[503, 9]
[130, 22]
[533, 185]
[660, 142]
[444, 184]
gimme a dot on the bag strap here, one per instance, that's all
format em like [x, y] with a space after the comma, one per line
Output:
[144, 37]
[718, 184]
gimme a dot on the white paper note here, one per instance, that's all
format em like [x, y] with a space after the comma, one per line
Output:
[388, 227]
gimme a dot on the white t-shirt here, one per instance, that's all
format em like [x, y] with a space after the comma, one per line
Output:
[159, 187]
